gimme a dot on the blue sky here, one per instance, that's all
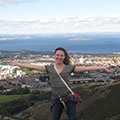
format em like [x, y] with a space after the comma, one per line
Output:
[59, 16]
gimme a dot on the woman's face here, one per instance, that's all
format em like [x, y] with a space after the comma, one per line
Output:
[59, 56]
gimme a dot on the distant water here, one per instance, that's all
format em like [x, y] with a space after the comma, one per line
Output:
[96, 45]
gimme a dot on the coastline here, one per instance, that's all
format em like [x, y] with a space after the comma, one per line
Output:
[86, 44]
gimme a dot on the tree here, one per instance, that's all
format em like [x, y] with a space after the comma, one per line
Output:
[35, 92]
[1, 87]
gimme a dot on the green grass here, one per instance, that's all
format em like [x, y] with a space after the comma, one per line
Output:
[104, 108]
[7, 98]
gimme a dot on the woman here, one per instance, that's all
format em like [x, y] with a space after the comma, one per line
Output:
[60, 93]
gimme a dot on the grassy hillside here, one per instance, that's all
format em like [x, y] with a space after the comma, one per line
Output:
[7, 98]
[101, 101]
[106, 105]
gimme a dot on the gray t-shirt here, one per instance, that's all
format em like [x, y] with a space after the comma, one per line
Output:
[58, 87]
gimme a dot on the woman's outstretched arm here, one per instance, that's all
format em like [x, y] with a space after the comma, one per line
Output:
[91, 68]
[25, 65]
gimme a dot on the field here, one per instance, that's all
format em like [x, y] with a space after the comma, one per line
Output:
[7, 98]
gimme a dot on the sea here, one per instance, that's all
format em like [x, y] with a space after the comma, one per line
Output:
[88, 44]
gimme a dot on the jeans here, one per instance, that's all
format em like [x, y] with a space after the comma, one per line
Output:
[57, 109]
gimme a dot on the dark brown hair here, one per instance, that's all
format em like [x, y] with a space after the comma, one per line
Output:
[66, 61]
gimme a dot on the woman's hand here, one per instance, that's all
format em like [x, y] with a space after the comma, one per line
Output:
[108, 70]
[13, 63]
[26, 65]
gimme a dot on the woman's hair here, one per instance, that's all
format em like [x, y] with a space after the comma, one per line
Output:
[66, 61]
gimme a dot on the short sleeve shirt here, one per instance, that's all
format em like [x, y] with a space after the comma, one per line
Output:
[58, 87]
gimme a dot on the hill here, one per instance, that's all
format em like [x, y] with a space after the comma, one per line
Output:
[101, 101]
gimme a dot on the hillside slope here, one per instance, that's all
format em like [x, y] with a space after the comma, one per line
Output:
[101, 101]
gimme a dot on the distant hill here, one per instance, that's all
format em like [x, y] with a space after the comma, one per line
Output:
[101, 101]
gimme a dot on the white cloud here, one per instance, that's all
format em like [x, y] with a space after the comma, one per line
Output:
[71, 24]
[6, 2]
